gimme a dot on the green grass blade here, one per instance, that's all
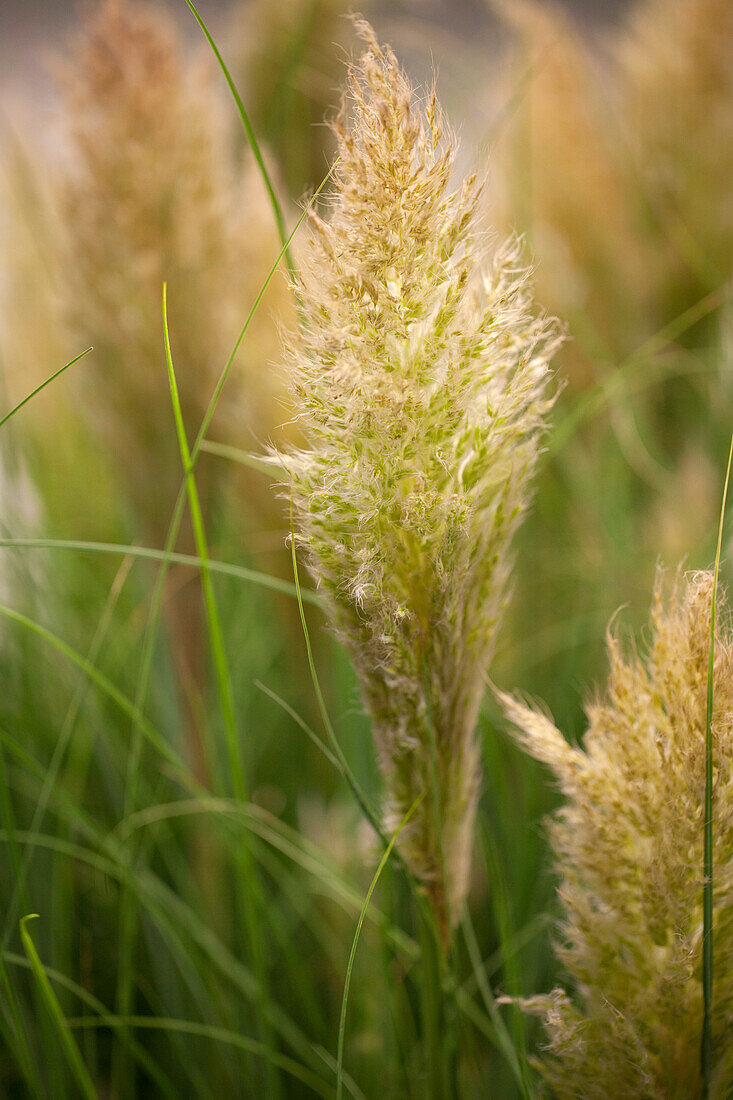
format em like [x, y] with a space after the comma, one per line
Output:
[359, 795]
[252, 900]
[198, 443]
[359, 924]
[11, 1024]
[290, 843]
[613, 385]
[216, 638]
[43, 385]
[8, 821]
[60, 748]
[500, 1037]
[14, 1034]
[276, 208]
[708, 969]
[236, 454]
[502, 916]
[71, 1050]
[140, 1054]
[127, 907]
[310, 733]
[106, 687]
[167, 554]
[491, 965]
[226, 569]
[179, 924]
[280, 836]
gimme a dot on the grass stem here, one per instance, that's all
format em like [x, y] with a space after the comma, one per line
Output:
[252, 899]
[350, 966]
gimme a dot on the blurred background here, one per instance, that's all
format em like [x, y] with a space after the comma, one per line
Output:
[604, 132]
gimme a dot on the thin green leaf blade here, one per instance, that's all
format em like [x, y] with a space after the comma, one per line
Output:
[71, 1050]
[350, 966]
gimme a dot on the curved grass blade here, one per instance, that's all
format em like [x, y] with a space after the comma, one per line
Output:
[502, 914]
[174, 918]
[106, 686]
[501, 1037]
[252, 899]
[43, 385]
[12, 1030]
[149, 553]
[708, 970]
[14, 1035]
[216, 637]
[276, 208]
[236, 454]
[276, 834]
[350, 966]
[60, 748]
[198, 443]
[310, 733]
[167, 554]
[146, 1062]
[71, 1050]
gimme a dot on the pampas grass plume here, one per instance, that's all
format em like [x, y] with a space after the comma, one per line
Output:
[420, 378]
[629, 847]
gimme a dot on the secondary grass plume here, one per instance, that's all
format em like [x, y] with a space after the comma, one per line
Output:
[629, 848]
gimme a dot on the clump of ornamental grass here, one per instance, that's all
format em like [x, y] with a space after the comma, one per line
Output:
[629, 848]
[420, 379]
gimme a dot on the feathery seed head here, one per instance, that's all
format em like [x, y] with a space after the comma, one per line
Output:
[629, 846]
[420, 376]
